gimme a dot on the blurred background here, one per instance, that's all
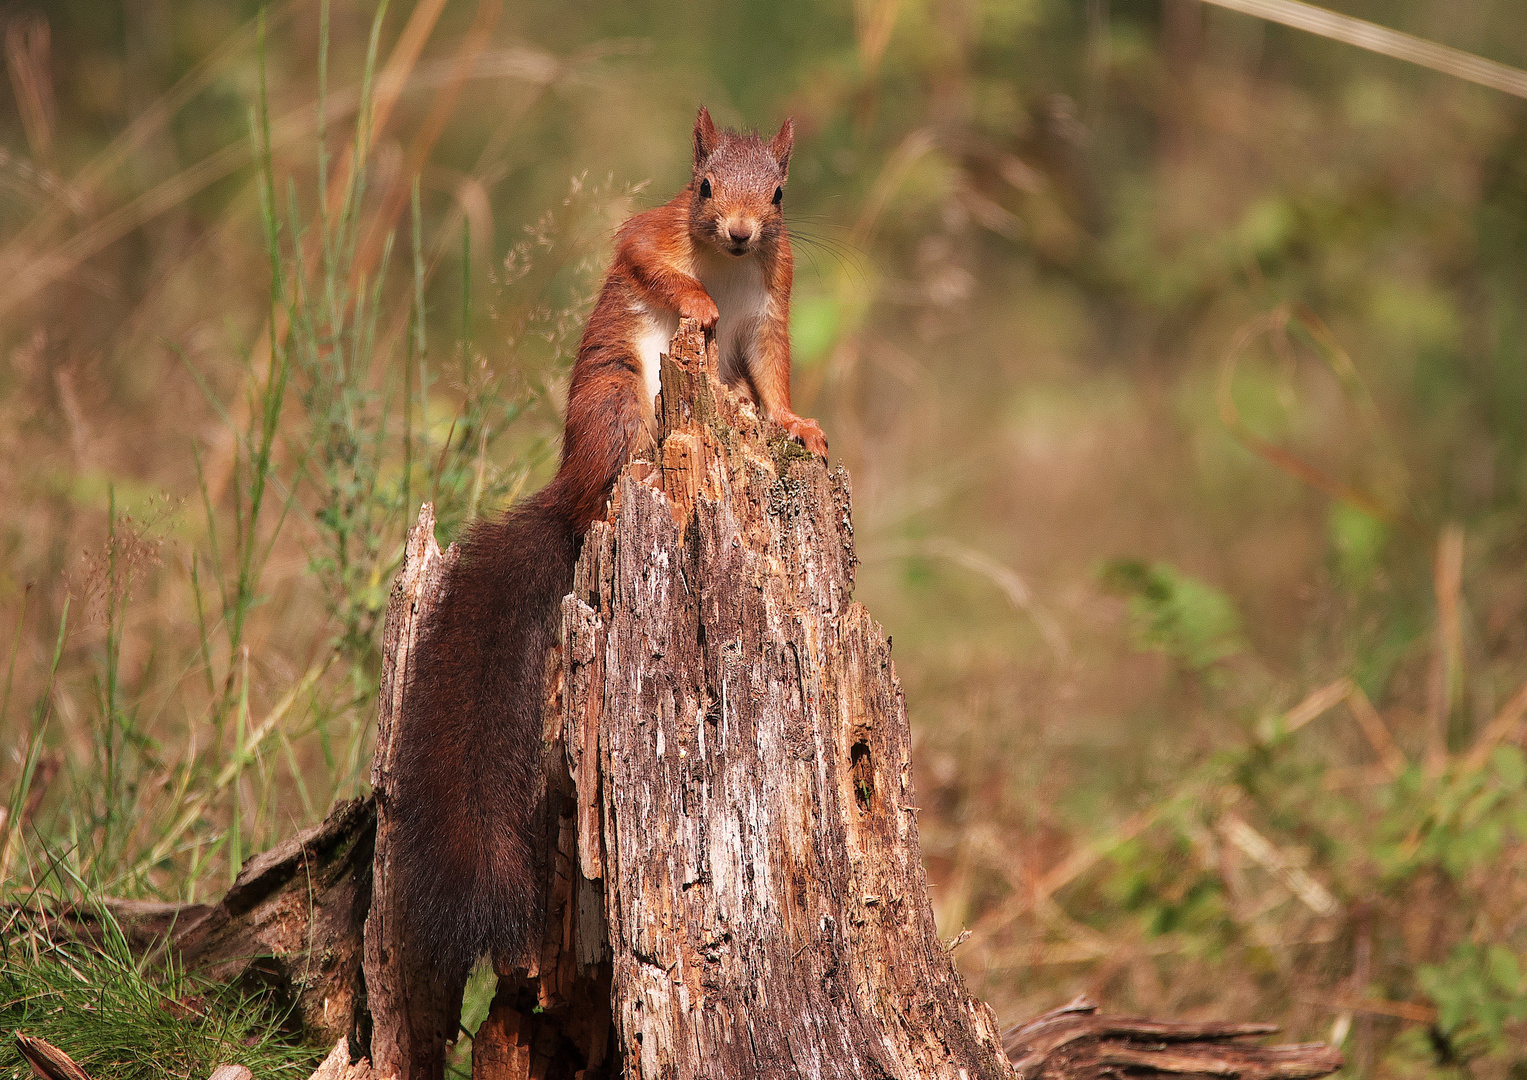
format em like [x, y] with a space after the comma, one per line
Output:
[1179, 360]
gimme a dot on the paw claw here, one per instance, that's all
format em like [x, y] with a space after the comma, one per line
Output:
[703, 310]
[806, 432]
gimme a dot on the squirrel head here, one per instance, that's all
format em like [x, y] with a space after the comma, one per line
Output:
[737, 195]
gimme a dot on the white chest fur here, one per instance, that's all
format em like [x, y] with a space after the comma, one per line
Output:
[737, 287]
[652, 341]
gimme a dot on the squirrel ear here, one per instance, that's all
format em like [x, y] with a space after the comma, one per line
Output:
[705, 137]
[781, 144]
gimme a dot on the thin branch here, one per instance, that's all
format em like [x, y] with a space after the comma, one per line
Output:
[1386, 42]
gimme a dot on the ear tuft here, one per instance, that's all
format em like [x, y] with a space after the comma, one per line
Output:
[782, 143]
[705, 138]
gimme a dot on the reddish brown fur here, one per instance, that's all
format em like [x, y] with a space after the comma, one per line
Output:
[470, 743]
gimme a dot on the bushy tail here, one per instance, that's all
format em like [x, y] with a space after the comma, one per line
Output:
[469, 751]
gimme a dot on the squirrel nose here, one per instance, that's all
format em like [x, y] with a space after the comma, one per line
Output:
[739, 234]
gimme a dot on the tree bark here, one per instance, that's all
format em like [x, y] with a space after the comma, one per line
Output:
[738, 779]
[413, 1014]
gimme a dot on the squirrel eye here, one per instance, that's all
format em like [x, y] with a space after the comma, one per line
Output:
[779, 195]
[705, 188]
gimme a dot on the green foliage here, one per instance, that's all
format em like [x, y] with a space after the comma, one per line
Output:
[1416, 851]
[1479, 990]
[815, 326]
[1459, 823]
[1357, 539]
[123, 1018]
[1158, 879]
[1175, 613]
[477, 998]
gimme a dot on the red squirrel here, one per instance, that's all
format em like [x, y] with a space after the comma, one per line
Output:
[470, 743]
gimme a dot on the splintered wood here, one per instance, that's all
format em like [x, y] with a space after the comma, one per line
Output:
[740, 772]
[1076, 1042]
[413, 1015]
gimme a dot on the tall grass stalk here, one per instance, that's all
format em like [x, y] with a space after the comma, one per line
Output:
[20, 794]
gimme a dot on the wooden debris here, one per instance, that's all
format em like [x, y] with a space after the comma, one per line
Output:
[338, 1066]
[290, 924]
[1076, 1042]
[48, 1062]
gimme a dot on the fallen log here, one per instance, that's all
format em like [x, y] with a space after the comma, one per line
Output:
[1076, 1041]
[289, 926]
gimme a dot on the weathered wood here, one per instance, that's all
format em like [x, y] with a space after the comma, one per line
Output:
[288, 923]
[339, 1066]
[47, 1061]
[757, 836]
[1075, 1042]
[413, 1013]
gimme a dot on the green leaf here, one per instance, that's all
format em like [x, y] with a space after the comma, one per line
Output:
[1176, 613]
[1358, 541]
[815, 325]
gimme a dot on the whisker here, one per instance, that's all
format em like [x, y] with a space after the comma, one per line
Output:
[848, 256]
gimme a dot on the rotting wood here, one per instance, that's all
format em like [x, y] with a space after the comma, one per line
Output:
[413, 1013]
[339, 1066]
[47, 1061]
[1076, 1041]
[287, 923]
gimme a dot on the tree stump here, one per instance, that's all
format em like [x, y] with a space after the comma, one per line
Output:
[730, 779]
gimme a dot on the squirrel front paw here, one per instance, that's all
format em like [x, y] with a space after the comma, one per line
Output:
[701, 308]
[806, 432]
